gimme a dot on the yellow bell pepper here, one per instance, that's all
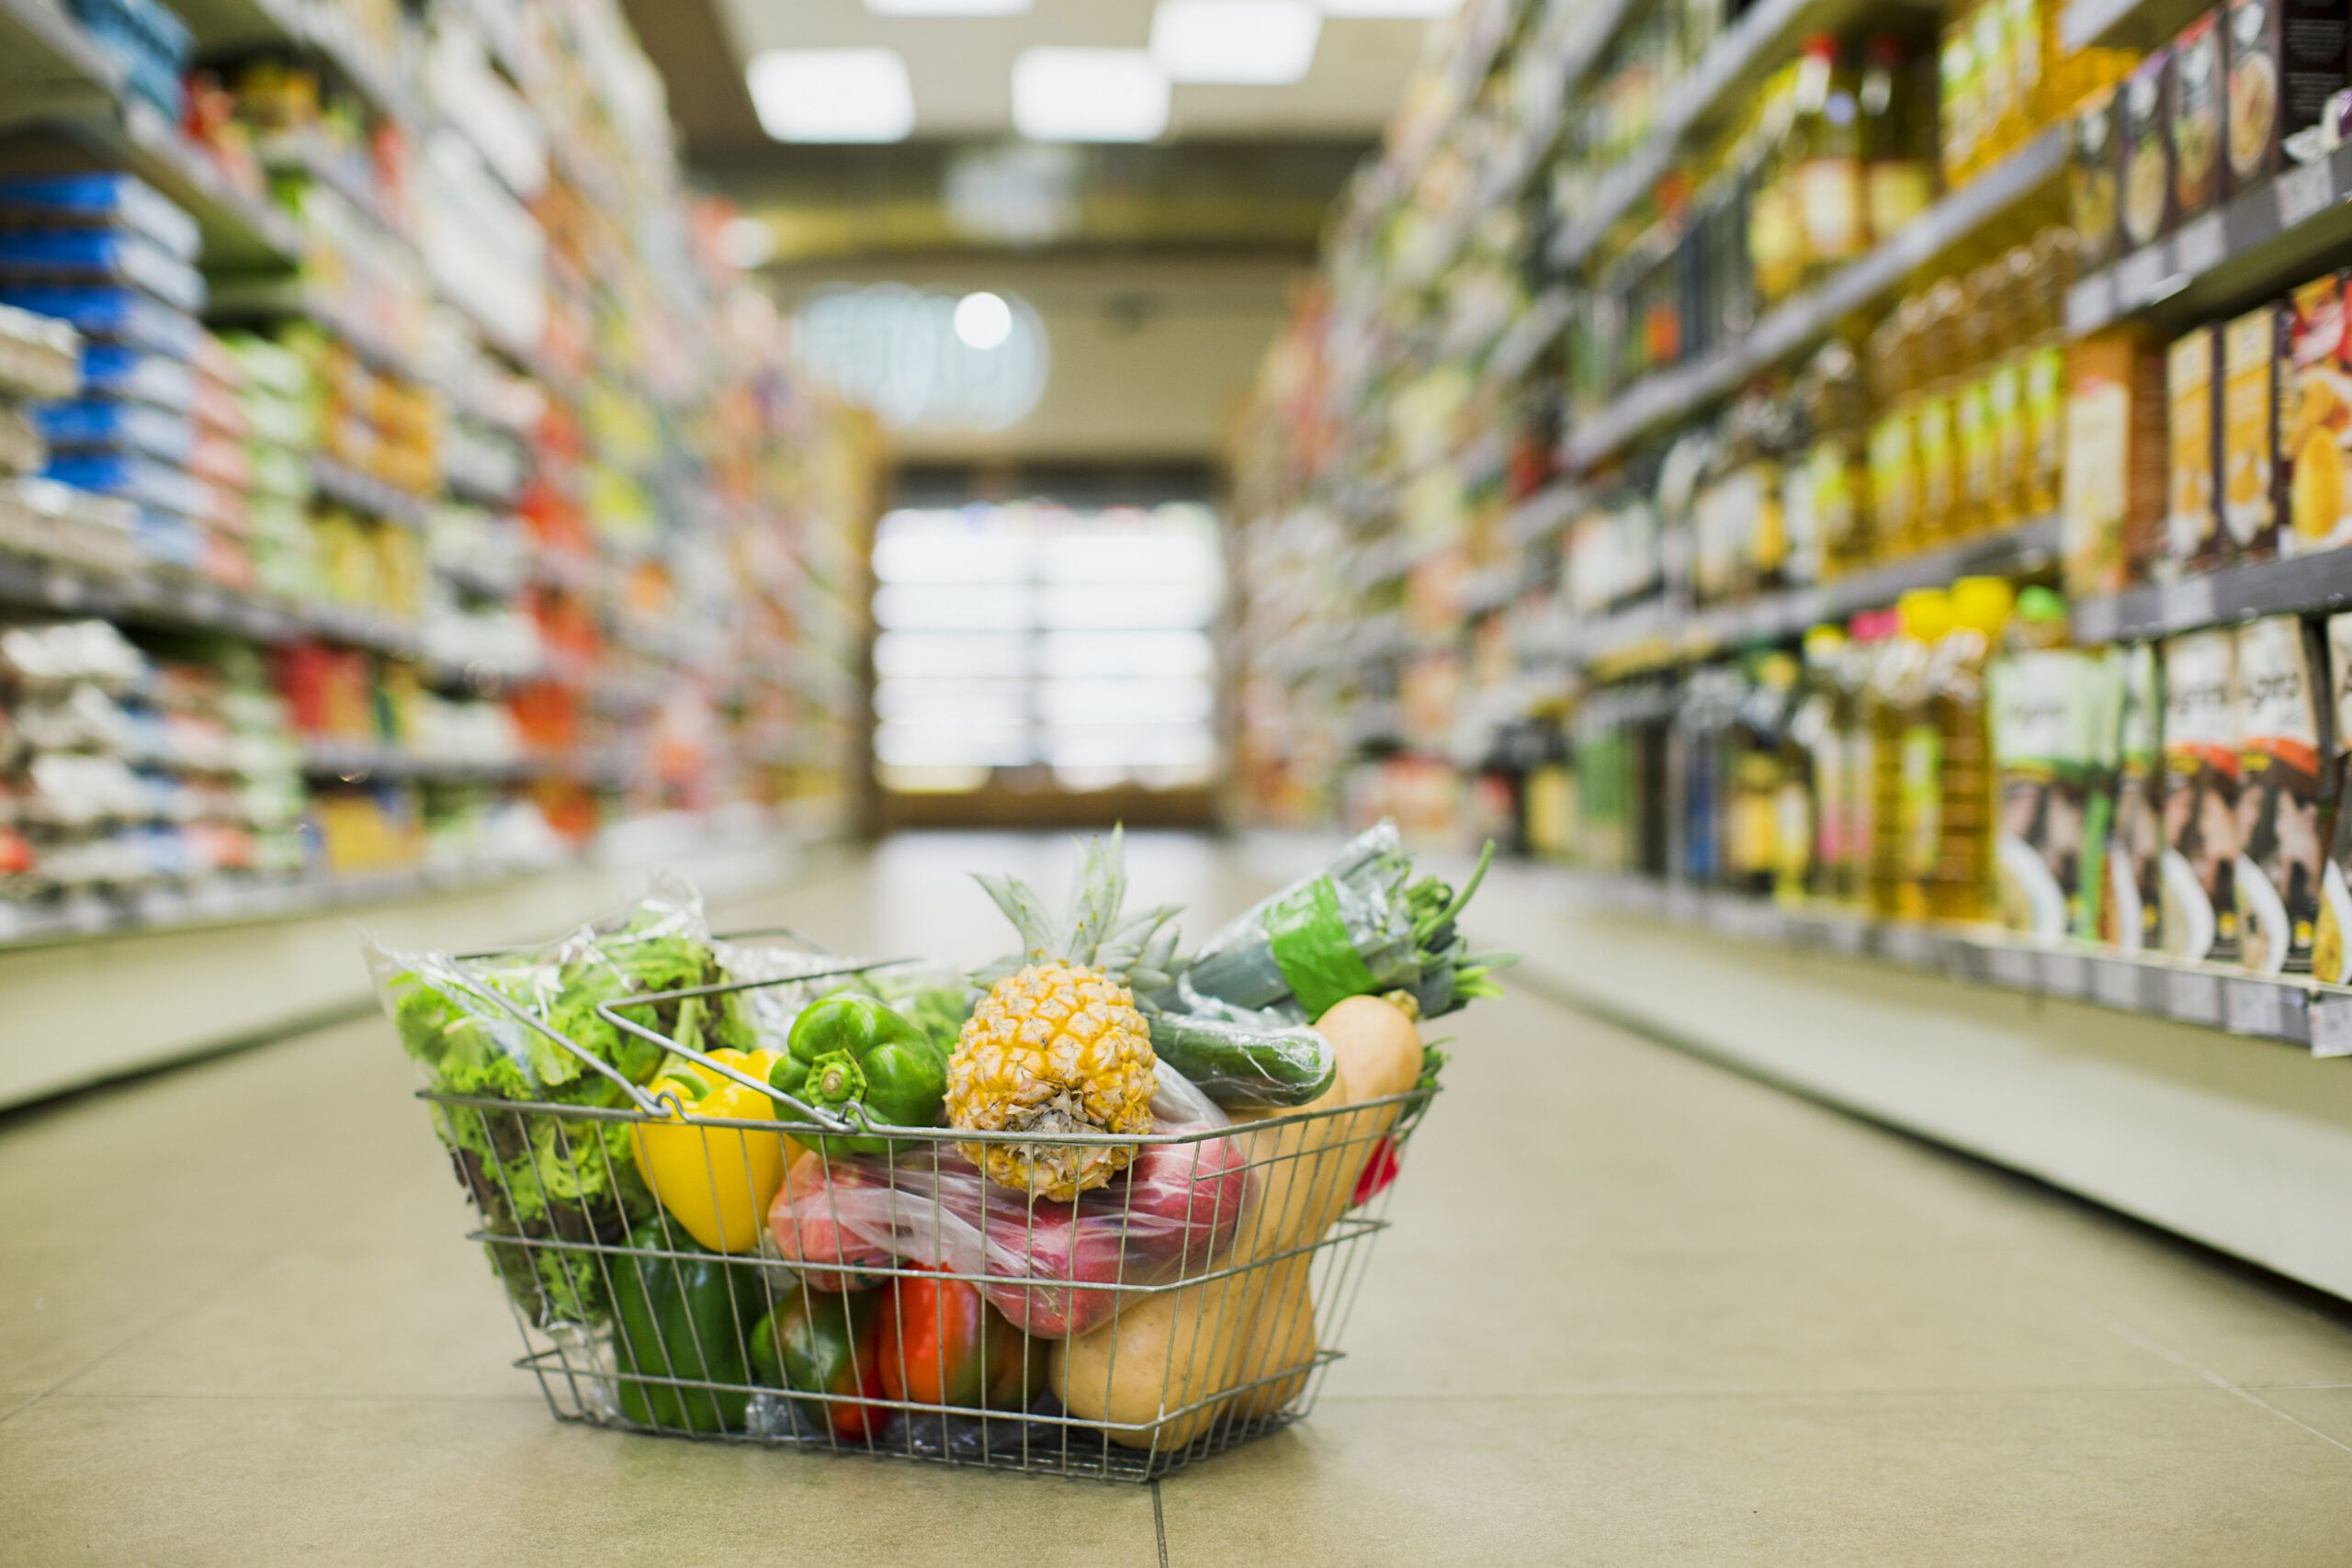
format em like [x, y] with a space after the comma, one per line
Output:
[716, 1181]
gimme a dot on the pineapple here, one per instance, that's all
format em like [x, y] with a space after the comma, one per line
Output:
[1057, 1044]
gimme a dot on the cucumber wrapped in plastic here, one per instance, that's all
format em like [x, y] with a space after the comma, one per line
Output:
[1235, 1061]
[1362, 926]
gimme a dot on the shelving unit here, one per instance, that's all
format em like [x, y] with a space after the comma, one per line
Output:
[2257, 245]
[1810, 317]
[2294, 1012]
[636, 498]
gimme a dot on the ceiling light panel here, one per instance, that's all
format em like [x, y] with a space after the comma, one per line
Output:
[947, 8]
[1406, 8]
[832, 95]
[1089, 94]
[1245, 42]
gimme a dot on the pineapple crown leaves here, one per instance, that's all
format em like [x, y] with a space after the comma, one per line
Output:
[1140, 950]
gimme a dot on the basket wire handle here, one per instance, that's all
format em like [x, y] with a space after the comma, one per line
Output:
[645, 1102]
[610, 1012]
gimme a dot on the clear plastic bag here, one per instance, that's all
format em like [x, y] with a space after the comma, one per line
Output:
[1173, 1211]
[486, 1025]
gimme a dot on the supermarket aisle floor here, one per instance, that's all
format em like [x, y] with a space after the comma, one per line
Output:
[1634, 1309]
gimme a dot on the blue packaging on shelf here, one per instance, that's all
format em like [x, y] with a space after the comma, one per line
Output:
[98, 201]
[170, 541]
[153, 46]
[116, 315]
[94, 422]
[138, 480]
[101, 256]
[110, 370]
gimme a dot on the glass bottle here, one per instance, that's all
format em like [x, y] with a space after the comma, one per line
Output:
[1825, 151]
[1923, 617]
[1898, 178]
[1962, 884]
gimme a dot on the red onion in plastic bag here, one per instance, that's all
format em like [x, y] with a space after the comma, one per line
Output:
[1174, 1210]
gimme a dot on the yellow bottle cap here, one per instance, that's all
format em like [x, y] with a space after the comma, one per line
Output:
[1925, 612]
[1821, 642]
[1982, 604]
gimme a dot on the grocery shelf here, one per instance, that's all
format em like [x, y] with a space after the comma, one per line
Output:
[1515, 348]
[48, 64]
[2258, 244]
[1746, 49]
[241, 232]
[1542, 515]
[2296, 1010]
[1806, 319]
[1812, 315]
[155, 601]
[2140, 23]
[343, 485]
[222, 25]
[174, 909]
[1657, 635]
[300, 154]
[2296, 585]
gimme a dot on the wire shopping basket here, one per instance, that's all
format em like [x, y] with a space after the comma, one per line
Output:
[862, 1289]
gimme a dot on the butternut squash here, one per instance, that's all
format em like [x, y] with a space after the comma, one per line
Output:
[1168, 1350]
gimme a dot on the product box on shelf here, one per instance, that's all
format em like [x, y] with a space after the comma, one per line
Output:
[2192, 525]
[2113, 502]
[2332, 941]
[2039, 715]
[2146, 151]
[2195, 118]
[2131, 915]
[2283, 755]
[2254, 347]
[2094, 177]
[2317, 421]
[2202, 763]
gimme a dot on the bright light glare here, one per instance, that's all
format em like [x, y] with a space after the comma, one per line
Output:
[1246, 42]
[983, 321]
[947, 8]
[1089, 94]
[832, 95]
[1391, 8]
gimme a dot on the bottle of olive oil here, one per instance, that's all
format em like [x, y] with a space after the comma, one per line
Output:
[1962, 886]
[1902, 744]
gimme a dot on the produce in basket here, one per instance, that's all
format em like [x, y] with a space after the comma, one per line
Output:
[1242, 1343]
[940, 1344]
[682, 1318]
[522, 1025]
[1057, 1046]
[1177, 1208]
[716, 1181]
[857, 1057]
[827, 1344]
[1362, 926]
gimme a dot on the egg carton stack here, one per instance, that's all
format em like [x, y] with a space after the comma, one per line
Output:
[107, 254]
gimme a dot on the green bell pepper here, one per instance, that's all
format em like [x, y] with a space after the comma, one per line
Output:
[682, 1317]
[821, 1343]
[847, 1054]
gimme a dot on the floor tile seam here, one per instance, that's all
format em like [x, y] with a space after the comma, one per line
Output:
[1784, 1392]
[290, 1397]
[2156, 1346]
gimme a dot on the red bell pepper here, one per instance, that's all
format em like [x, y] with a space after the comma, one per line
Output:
[940, 1344]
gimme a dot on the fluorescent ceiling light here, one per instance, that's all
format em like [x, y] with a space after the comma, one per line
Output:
[1249, 42]
[1089, 94]
[1391, 8]
[947, 8]
[832, 95]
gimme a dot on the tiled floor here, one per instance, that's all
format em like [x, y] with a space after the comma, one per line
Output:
[1634, 1309]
